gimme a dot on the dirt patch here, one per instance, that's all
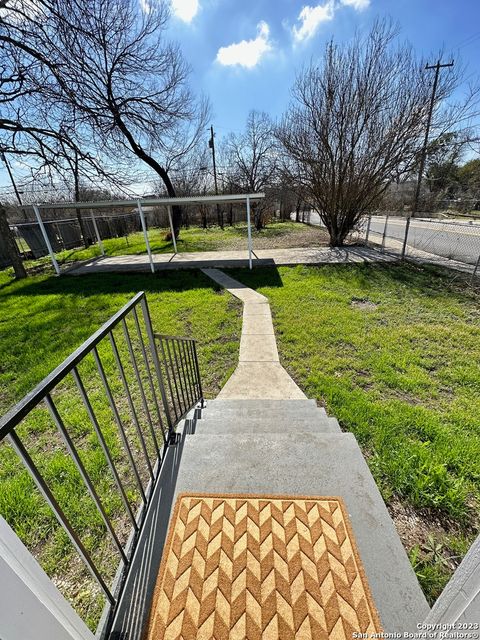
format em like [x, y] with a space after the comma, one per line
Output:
[364, 304]
[420, 527]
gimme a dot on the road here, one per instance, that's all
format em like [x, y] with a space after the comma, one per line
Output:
[457, 240]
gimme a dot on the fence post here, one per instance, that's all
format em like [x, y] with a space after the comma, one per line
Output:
[145, 235]
[97, 233]
[407, 227]
[369, 222]
[249, 230]
[47, 241]
[172, 230]
[477, 264]
[384, 233]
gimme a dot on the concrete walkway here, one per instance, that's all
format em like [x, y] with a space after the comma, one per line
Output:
[205, 259]
[259, 374]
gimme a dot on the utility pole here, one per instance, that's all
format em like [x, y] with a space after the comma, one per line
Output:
[211, 144]
[423, 155]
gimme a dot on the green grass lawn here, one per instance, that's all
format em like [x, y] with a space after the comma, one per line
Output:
[394, 353]
[42, 320]
[194, 239]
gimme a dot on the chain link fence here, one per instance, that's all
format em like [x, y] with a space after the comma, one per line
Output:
[439, 241]
[457, 241]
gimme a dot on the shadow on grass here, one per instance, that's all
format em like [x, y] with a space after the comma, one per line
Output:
[175, 280]
[258, 277]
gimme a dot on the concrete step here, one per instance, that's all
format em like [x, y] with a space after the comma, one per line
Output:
[277, 424]
[261, 408]
[321, 464]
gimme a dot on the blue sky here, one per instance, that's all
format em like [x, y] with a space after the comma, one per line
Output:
[244, 53]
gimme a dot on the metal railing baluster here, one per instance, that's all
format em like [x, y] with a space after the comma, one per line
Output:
[179, 376]
[57, 510]
[118, 420]
[172, 397]
[153, 348]
[140, 385]
[103, 444]
[167, 343]
[186, 373]
[149, 371]
[72, 450]
[191, 367]
[126, 388]
[197, 369]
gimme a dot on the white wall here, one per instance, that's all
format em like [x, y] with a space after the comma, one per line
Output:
[31, 607]
[460, 600]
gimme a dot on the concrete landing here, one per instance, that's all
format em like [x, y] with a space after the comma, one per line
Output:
[316, 465]
[259, 373]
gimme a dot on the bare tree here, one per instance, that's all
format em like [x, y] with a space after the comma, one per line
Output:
[356, 123]
[253, 158]
[109, 62]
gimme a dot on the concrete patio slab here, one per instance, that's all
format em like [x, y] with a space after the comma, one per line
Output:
[225, 259]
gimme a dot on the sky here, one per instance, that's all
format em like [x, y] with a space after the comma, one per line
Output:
[244, 54]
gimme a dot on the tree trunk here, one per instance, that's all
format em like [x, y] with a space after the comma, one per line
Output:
[77, 199]
[297, 210]
[11, 246]
[157, 167]
[337, 236]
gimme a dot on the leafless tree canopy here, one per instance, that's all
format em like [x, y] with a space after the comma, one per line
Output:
[252, 157]
[355, 124]
[101, 71]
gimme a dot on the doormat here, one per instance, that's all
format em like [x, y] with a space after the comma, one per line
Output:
[266, 567]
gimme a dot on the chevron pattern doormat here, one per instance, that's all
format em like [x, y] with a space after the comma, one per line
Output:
[265, 567]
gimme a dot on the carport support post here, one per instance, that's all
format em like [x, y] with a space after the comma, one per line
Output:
[172, 230]
[249, 230]
[145, 235]
[407, 227]
[45, 237]
[99, 240]
[384, 233]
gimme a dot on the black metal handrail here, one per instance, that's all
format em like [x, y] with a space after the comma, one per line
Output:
[153, 413]
[179, 364]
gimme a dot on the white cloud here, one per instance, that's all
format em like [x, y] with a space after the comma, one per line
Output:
[311, 18]
[247, 53]
[356, 4]
[145, 5]
[185, 10]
